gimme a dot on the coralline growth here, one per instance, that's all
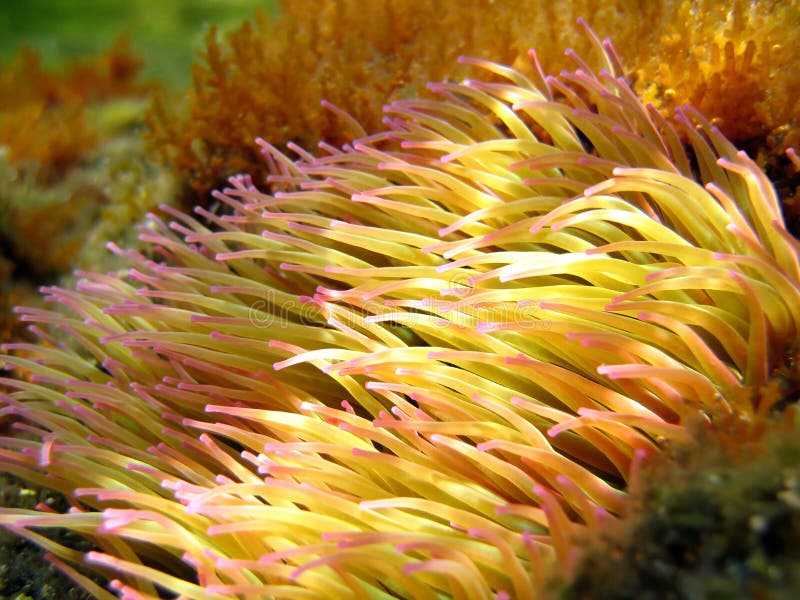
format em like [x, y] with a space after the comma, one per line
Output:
[736, 62]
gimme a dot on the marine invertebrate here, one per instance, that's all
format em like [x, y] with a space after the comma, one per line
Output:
[419, 364]
[729, 60]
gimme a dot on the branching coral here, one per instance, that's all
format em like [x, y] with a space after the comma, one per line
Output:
[734, 61]
[422, 364]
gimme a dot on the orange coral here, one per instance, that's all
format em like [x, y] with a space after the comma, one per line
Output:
[51, 122]
[269, 77]
[43, 112]
[737, 62]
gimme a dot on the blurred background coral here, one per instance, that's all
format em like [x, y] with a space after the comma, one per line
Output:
[76, 79]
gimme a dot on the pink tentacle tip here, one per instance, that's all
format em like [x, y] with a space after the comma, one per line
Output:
[540, 490]
[555, 430]
[98, 558]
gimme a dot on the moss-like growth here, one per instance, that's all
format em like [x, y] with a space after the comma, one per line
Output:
[719, 518]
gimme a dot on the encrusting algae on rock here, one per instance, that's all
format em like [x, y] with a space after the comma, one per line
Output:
[721, 522]
[422, 364]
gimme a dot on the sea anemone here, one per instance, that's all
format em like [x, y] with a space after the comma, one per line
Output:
[421, 364]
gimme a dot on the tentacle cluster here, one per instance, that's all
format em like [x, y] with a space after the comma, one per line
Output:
[419, 365]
